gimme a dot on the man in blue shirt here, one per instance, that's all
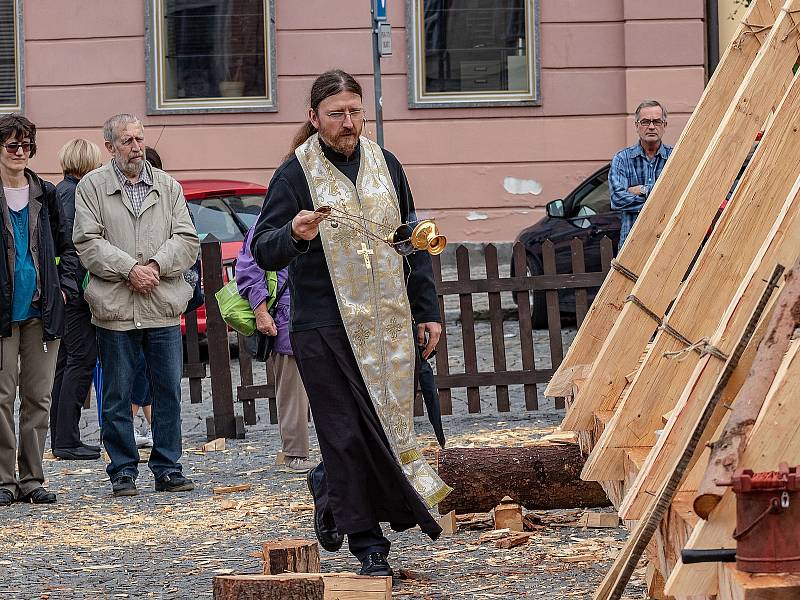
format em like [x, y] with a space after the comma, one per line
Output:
[634, 170]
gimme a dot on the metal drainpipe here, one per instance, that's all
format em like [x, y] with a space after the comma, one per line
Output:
[712, 35]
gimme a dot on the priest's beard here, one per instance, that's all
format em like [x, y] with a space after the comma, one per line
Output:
[343, 141]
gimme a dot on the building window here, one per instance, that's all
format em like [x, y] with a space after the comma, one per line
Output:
[210, 56]
[473, 52]
[10, 56]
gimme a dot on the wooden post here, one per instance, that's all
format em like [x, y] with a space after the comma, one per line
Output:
[706, 118]
[219, 356]
[553, 312]
[496, 320]
[193, 368]
[468, 329]
[290, 556]
[525, 326]
[442, 360]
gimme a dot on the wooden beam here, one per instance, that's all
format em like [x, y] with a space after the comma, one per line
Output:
[780, 246]
[763, 87]
[302, 586]
[677, 173]
[760, 210]
[726, 451]
[775, 437]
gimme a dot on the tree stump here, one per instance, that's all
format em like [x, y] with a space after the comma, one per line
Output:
[268, 587]
[290, 556]
[302, 586]
[542, 476]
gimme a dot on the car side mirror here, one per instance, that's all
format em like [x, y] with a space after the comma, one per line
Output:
[555, 209]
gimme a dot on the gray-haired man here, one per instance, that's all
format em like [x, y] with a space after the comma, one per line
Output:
[634, 170]
[134, 235]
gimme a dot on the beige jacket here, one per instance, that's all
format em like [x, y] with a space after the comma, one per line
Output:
[111, 240]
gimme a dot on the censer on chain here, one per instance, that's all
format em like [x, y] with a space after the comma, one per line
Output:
[406, 239]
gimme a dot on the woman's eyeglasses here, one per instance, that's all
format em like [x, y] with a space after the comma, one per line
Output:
[13, 147]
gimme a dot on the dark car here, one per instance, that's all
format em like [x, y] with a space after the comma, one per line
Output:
[585, 213]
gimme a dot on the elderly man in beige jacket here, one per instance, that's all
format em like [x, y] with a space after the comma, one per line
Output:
[134, 235]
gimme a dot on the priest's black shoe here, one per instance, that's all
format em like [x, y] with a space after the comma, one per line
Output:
[174, 482]
[324, 527]
[38, 496]
[376, 565]
[77, 453]
[6, 497]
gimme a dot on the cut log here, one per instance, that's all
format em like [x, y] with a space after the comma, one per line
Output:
[290, 556]
[268, 587]
[330, 586]
[544, 476]
[726, 452]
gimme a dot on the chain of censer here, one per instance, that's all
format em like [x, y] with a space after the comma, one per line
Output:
[355, 223]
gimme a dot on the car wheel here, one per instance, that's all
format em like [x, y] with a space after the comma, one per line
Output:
[538, 300]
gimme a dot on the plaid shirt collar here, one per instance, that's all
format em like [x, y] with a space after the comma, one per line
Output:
[146, 176]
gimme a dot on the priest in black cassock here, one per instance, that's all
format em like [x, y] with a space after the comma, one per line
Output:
[328, 211]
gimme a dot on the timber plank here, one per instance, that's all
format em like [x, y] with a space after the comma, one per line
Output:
[677, 173]
[763, 86]
[775, 437]
[780, 246]
[759, 201]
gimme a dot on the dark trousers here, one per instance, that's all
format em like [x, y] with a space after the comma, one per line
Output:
[119, 356]
[77, 356]
[362, 543]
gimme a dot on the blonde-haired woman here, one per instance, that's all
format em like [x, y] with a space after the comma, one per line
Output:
[78, 352]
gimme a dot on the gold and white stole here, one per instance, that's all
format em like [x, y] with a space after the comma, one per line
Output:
[368, 279]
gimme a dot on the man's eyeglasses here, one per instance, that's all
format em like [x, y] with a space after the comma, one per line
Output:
[13, 147]
[355, 115]
[654, 122]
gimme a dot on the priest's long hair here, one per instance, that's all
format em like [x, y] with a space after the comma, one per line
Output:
[326, 85]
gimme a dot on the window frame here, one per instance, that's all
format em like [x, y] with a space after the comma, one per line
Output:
[19, 58]
[416, 70]
[154, 60]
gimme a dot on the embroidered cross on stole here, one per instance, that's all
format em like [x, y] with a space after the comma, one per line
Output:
[370, 290]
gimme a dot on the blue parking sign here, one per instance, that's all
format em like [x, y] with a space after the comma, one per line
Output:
[380, 10]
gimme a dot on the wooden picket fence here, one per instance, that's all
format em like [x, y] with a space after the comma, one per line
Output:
[225, 423]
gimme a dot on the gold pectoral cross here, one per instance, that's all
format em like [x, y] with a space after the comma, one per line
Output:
[364, 253]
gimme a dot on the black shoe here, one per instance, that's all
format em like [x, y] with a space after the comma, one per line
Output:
[375, 565]
[38, 496]
[77, 453]
[124, 486]
[91, 447]
[174, 482]
[6, 497]
[324, 527]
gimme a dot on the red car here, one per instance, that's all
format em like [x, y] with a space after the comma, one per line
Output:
[226, 209]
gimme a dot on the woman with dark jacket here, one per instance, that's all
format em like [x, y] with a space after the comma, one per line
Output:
[33, 290]
[78, 353]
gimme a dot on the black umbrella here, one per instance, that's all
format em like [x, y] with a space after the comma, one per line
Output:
[430, 394]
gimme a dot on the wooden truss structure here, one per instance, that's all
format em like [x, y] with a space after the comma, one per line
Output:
[651, 376]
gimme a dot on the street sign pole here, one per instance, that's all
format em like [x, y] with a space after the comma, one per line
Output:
[378, 15]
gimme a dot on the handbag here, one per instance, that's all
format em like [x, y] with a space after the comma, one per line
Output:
[259, 345]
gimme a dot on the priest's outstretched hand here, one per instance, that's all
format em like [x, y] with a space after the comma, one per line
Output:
[305, 225]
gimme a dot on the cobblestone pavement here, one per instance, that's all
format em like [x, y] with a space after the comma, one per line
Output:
[158, 545]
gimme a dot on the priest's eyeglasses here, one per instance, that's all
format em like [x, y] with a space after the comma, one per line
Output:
[355, 115]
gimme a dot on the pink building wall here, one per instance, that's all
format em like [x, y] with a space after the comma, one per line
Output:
[84, 61]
